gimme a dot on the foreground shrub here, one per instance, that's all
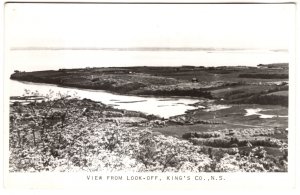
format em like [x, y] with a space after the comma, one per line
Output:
[58, 135]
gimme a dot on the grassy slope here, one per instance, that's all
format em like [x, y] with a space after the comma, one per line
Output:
[232, 117]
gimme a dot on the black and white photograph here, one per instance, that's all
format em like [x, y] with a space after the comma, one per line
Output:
[148, 87]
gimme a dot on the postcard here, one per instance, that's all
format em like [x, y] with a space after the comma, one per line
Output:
[140, 95]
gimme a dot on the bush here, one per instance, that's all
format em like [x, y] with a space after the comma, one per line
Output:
[200, 135]
[95, 79]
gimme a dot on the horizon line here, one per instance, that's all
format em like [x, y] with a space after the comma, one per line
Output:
[33, 48]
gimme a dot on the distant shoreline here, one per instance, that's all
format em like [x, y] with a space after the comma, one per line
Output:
[207, 49]
[183, 81]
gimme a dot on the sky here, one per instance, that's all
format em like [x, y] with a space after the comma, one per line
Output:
[83, 25]
[140, 27]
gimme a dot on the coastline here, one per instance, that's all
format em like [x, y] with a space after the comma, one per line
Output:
[185, 81]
